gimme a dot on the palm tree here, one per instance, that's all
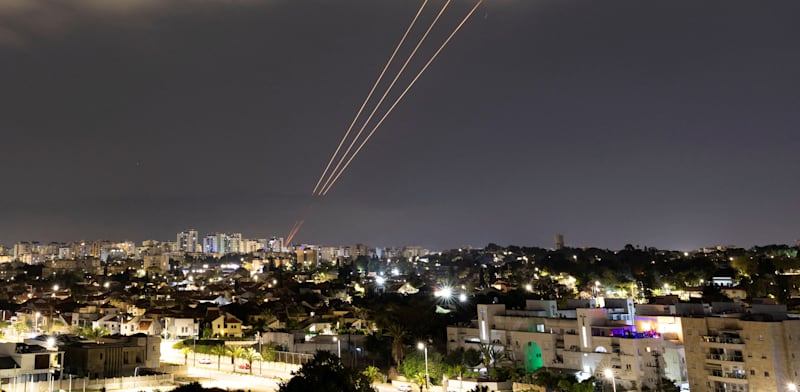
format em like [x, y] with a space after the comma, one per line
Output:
[419, 379]
[94, 333]
[398, 334]
[186, 351]
[219, 351]
[373, 374]
[235, 352]
[250, 355]
[489, 353]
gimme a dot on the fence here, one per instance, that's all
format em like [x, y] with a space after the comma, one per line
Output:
[81, 384]
[292, 358]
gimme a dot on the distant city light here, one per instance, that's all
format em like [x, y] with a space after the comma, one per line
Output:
[462, 297]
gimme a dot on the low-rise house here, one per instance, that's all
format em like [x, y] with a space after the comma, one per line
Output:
[223, 324]
[22, 362]
[112, 356]
[180, 327]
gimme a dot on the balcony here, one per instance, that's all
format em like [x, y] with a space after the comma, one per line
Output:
[723, 339]
[725, 342]
[728, 380]
[720, 374]
[725, 357]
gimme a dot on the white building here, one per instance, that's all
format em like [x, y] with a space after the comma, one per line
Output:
[581, 338]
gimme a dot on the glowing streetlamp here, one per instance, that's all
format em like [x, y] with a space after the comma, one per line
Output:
[423, 346]
[610, 375]
[791, 386]
[36, 323]
[338, 346]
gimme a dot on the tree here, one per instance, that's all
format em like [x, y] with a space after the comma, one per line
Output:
[373, 374]
[415, 363]
[186, 351]
[207, 331]
[325, 373]
[94, 333]
[562, 382]
[268, 352]
[419, 379]
[398, 334]
[489, 353]
[250, 355]
[219, 351]
[234, 352]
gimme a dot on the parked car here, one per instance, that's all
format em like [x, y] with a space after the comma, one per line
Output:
[205, 361]
[244, 366]
[404, 388]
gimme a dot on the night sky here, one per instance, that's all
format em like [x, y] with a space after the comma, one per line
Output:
[661, 123]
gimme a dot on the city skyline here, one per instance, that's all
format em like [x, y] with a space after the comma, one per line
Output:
[667, 125]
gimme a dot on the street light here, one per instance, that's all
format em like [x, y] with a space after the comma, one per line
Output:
[338, 346]
[423, 346]
[36, 324]
[791, 386]
[610, 375]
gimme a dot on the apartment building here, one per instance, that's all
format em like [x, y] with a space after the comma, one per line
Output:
[742, 350]
[587, 337]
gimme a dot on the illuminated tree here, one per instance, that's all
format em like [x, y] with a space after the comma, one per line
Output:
[234, 352]
[218, 350]
[325, 373]
[250, 355]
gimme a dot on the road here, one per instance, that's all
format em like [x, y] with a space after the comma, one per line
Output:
[266, 376]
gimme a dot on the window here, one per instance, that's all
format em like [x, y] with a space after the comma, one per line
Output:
[763, 356]
[766, 374]
[760, 337]
[752, 372]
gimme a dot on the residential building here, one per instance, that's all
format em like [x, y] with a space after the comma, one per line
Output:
[156, 263]
[21, 362]
[307, 257]
[747, 350]
[112, 356]
[223, 324]
[180, 328]
[582, 338]
[187, 241]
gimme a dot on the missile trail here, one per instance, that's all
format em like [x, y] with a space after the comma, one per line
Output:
[374, 86]
[339, 173]
[388, 89]
[294, 232]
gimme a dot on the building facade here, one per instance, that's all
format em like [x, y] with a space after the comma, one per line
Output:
[756, 351]
[582, 338]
